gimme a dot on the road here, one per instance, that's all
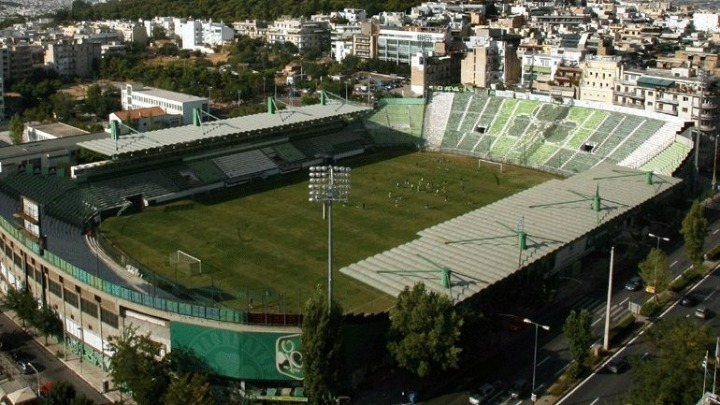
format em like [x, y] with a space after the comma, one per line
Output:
[18, 342]
[603, 387]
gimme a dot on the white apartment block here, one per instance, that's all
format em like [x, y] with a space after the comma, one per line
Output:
[353, 15]
[304, 34]
[135, 95]
[200, 35]
[400, 46]
[489, 62]
[171, 25]
[251, 28]
[127, 31]
[541, 65]
[706, 22]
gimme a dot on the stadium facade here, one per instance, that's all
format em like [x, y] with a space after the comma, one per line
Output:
[51, 204]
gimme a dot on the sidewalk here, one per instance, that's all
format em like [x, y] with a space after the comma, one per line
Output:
[92, 374]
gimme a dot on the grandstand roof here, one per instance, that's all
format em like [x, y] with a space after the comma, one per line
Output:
[247, 125]
[481, 248]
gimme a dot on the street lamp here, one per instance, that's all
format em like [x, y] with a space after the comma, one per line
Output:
[36, 374]
[656, 261]
[537, 326]
[329, 184]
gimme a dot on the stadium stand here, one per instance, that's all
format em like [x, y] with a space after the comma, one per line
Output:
[245, 164]
[549, 136]
[396, 121]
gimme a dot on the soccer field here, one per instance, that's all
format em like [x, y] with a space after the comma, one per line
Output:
[265, 245]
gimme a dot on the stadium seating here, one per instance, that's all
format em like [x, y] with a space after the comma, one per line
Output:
[548, 136]
[244, 164]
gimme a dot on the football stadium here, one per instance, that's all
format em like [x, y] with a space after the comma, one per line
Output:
[202, 235]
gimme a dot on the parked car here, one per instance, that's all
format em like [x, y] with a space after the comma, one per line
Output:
[519, 388]
[633, 284]
[702, 312]
[24, 367]
[688, 301]
[482, 395]
[617, 365]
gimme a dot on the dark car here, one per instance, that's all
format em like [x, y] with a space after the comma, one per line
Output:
[634, 284]
[24, 366]
[519, 388]
[617, 365]
[688, 301]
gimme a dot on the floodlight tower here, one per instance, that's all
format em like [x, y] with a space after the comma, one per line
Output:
[329, 184]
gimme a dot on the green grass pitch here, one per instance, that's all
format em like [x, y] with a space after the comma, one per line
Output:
[266, 236]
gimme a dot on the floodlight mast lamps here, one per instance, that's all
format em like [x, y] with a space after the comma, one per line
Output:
[537, 326]
[329, 184]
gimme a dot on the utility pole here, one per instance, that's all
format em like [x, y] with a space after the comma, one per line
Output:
[606, 339]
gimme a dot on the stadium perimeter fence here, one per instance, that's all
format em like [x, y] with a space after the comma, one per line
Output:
[163, 304]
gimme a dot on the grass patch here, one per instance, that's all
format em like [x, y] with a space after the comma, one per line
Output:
[267, 237]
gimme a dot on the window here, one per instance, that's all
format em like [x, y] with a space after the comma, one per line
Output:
[684, 109]
[109, 318]
[71, 298]
[650, 93]
[54, 288]
[89, 307]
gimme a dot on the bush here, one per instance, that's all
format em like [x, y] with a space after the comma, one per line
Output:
[713, 254]
[650, 308]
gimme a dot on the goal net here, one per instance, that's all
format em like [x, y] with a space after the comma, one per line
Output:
[186, 263]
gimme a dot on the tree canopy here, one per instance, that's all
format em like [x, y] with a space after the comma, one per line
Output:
[578, 329]
[424, 331]
[674, 375]
[655, 271]
[137, 366]
[694, 229]
[321, 348]
[227, 11]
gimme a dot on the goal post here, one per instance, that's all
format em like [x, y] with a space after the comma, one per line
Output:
[485, 162]
[186, 263]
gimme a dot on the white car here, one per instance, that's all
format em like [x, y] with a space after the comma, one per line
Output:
[482, 395]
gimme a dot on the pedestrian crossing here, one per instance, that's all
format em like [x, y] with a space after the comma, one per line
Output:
[597, 308]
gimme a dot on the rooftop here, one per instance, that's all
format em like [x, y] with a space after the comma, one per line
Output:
[480, 248]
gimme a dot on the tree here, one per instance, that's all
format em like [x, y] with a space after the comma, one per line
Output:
[424, 330]
[48, 322]
[674, 375]
[694, 229]
[137, 366]
[321, 348]
[23, 303]
[16, 129]
[64, 393]
[189, 389]
[655, 271]
[578, 330]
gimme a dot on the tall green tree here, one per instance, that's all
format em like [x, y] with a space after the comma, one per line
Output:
[137, 366]
[674, 375]
[189, 389]
[424, 331]
[48, 321]
[321, 348]
[16, 129]
[655, 271]
[694, 229]
[23, 303]
[578, 330]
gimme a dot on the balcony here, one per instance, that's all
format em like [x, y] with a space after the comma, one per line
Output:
[667, 101]
[668, 112]
[631, 95]
[630, 105]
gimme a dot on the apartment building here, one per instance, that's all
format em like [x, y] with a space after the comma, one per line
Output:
[72, 59]
[433, 71]
[136, 95]
[22, 59]
[251, 28]
[400, 45]
[599, 74]
[489, 62]
[199, 35]
[303, 33]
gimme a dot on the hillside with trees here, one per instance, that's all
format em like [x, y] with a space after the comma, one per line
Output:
[227, 11]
